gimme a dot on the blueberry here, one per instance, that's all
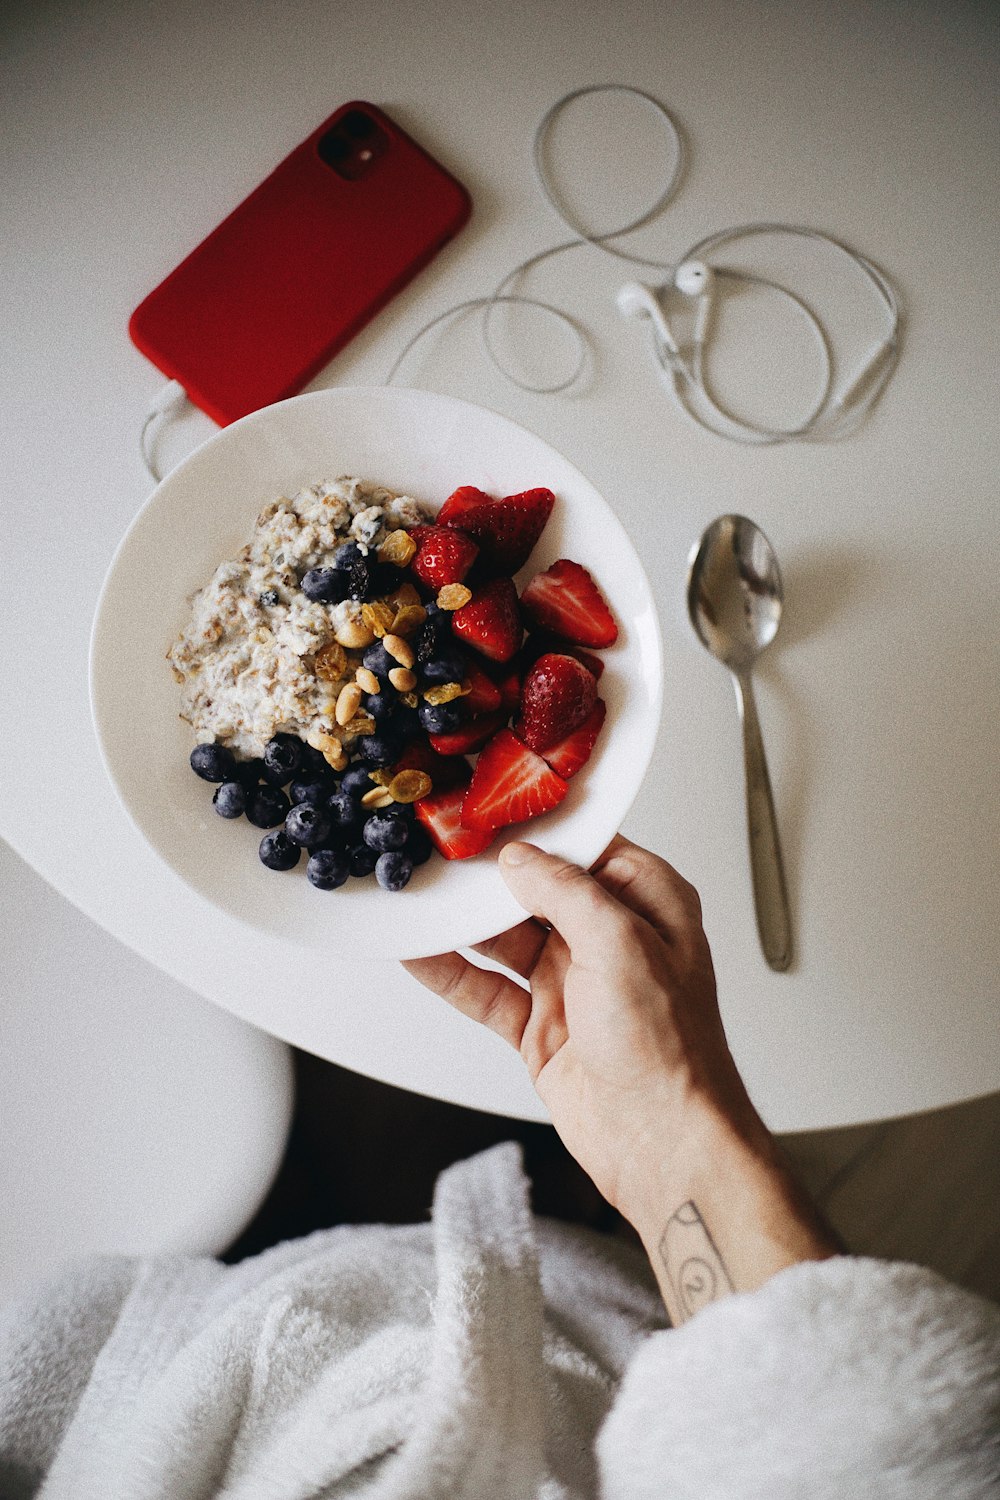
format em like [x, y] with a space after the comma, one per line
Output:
[278, 852]
[213, 763]
[384, 832]
[440, 718]
[360, 579]
[269, 598]
[378, 660]
[362, 860]
[419, 845]
[230, 800]
[393, 870]
[342, 809]
[306, 824]
[347, 555]
[311, 789]
[449, 668]
[386, 578]
[380, 749]
[267, 806]
[249, 773]
[381, 706]
[406, 722]
[434, 635]
[314, 761]
[325, 585]
[356, 781]
[327, 869]
[282, 758]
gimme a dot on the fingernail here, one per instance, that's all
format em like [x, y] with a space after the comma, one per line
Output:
[515, 854]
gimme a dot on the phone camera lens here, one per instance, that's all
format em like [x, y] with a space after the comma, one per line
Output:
[357, 125]
[334, 148]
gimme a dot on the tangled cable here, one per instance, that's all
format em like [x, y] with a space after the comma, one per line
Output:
[833, 414]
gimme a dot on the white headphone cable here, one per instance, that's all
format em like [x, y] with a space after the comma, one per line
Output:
[169, 401]
[832, 415]
[582, 236]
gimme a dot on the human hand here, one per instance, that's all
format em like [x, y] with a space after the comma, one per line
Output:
[620, 1028]
[621, 1033]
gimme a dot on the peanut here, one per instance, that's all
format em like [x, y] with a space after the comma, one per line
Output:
[348, 703]
[399, 650]
[355, 634]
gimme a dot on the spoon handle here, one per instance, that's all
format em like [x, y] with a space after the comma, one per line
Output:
[770, 895]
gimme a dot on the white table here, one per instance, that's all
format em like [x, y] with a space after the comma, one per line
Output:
[129, 131]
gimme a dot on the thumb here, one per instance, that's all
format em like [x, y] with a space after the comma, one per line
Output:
[587, 916]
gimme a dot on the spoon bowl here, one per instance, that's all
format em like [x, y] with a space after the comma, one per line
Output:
[734, 598]
[735, 592]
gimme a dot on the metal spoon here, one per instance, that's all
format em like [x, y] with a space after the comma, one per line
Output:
[734, 598]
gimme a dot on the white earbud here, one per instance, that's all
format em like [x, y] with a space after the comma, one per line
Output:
[637, 301]
[693, 278]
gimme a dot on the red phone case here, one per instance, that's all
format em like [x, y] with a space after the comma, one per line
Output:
[300, 266]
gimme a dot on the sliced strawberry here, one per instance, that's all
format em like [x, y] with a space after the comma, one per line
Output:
[574, 751]
[506, 529]
[557, 695]
[566, 600]
[490, 622]
[465, 498]
[444, 770]
[469, 736]
[540, 641]
[593, 663]
[484, 697]
[507, 677]
[509, 784]
[444, 555]
[440, 813]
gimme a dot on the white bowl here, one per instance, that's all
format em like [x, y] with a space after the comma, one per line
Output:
[204, 511]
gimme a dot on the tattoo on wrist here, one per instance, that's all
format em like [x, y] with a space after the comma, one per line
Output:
[695, 1271]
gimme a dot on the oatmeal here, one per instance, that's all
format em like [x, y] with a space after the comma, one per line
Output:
[258, 657]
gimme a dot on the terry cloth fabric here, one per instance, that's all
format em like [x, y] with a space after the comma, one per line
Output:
[478, 1358]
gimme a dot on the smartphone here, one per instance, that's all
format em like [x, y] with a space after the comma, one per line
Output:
[294, 272]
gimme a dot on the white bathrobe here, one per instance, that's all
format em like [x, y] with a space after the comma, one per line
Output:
[490, 1355]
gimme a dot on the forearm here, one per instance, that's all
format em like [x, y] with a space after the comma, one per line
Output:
[723, 1213]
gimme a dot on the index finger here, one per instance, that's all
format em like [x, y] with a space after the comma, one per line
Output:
[587, 916]
[650, 886]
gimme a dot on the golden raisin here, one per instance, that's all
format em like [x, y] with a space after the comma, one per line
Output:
[330, 661]
[378, 617]
[398, 547]
[453, 596]
[445, 693]
[410, 786]
[409, 619]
